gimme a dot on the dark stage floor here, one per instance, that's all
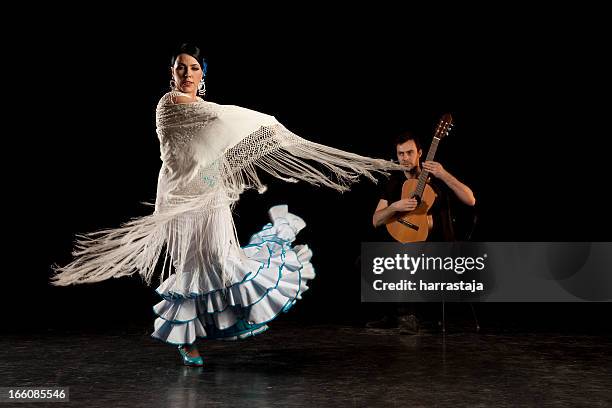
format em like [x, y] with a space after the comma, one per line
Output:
[315, 366]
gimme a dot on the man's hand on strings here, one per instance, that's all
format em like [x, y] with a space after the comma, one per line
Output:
[406, 204]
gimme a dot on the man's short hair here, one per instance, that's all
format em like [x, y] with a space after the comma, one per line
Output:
[406, 136]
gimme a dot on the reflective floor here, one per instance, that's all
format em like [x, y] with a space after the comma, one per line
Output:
[315, 366]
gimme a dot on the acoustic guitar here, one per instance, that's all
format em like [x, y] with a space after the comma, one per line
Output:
[414, 226]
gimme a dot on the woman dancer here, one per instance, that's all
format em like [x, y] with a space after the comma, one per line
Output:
[211, 287]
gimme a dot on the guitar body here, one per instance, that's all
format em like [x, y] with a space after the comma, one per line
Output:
[413, 226]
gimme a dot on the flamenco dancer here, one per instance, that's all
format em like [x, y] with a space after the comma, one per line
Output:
[211, 287]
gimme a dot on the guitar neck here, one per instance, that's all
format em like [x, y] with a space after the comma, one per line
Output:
[425, 174]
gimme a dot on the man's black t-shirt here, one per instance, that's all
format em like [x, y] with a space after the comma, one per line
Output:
[391, 190]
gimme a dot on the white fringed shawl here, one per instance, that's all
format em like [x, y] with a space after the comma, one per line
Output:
[210, 155]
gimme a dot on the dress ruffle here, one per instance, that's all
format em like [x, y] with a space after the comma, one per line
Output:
[269, 276]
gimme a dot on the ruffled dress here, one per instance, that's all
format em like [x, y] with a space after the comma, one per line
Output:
[269, 275]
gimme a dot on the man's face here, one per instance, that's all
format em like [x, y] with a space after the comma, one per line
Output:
[408, 155]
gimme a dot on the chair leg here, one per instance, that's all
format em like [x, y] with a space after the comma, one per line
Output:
[443, 323]
[475, 318]
[443, 318]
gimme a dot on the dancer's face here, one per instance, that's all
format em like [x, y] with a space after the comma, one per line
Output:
[408, 154]
[187, 73]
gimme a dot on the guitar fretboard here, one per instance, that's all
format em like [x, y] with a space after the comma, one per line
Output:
[425, 174]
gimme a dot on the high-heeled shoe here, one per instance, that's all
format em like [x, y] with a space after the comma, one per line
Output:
[190, 361]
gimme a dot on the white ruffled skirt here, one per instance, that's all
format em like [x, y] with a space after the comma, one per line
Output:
[267, 277]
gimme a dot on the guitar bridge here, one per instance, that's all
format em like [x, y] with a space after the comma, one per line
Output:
[408, 224]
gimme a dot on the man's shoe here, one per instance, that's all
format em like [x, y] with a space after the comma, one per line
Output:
[387, 322]
[408, 324]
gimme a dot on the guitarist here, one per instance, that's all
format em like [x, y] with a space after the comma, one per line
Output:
[445, 185]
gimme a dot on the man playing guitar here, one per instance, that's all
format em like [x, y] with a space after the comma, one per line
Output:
[391, 203]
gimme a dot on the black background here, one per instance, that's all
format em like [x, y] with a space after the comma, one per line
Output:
[529, 140]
